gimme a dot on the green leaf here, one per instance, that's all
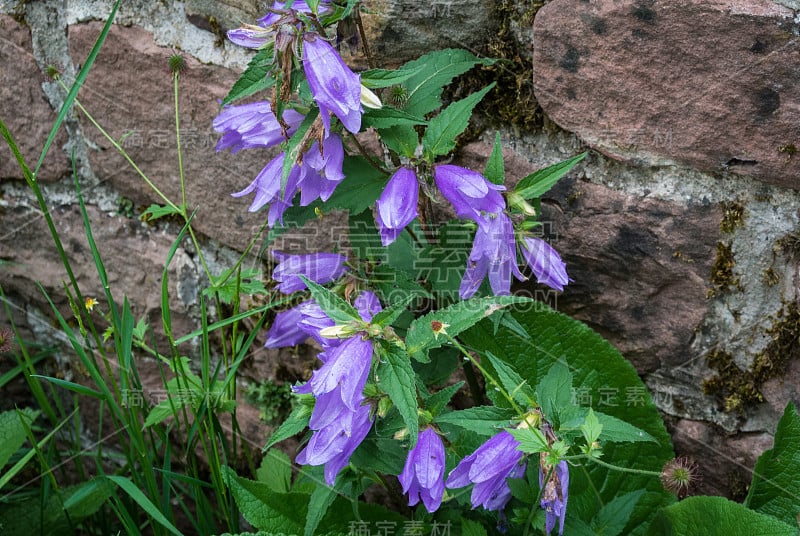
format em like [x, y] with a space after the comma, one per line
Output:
[154, 212]
[536, 184]
[12, 432]
[388, 117]
[472, 528]
[265, 509]
[393, 312]
[495, 167]
[72, 386]
[612, 517]
[334, 306]
[397, 380]
[456, 318]
[775, 489]
[437, 401]
[591, 428]
[248, 282]
[293, 425]
[594, 365]
[321, 499]
[276, 471]
[378, 78]
[434, 71]
[256, 77]
[141, 499]
[700, 516]
[614, 430]
[440, 136]
[402, 139]
[481, 420]
[531, 440]
[554, 392]
[512, 382]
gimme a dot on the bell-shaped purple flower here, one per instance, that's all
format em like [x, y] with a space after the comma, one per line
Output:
[494, 253]
[250, 36]
[299, 6]
[469, 192]
[423, 473]
[313, 320]
[318, 267]
[546, 263]
[554, 495]
[322, 170]
[488, 468]
[285, 329]
[367, 305]
[267, 188]
[253, 125]
[335, 88]
[346, 369]
[335, 443]
[397, 205]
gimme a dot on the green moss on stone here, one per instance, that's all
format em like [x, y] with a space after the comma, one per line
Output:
[732, 216]
[722, 276]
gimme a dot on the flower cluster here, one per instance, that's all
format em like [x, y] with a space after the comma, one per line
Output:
[335, 89]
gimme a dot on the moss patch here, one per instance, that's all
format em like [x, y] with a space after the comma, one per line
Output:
[739, 388]
[722, 276]
[733, 214]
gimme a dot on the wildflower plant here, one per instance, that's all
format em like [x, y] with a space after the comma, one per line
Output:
[409, 313]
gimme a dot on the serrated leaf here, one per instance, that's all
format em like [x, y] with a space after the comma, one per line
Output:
[334, 306]
[321, 499]
[255, 77]
[495, 170]
[12, 432]
[472, 528]
[700, 516]
[387, 117]
[276, 471]
[396, 378]
[393, 312]
[293, 425]
[531, 440]
[591, 427]
[435, 70]
[515, 386]
[265, 509]
[402, 139]
[458, 317]
[437, 401]
[594, 364]
[538, 183]
[612, 517]
[554, 392]
[378, 78]
[154, 212]
[481, 420]
[614, 430]
[775, 489]
[440, 136]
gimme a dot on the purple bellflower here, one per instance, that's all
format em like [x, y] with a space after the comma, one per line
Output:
[333, 445]
[313, 320]
[546, 263]
[336, 89]
[253, 125]
[488, 467]
[397, 205]
[318, 267]
[367, 305]
[299, 6]
[267, 188]
[469, 192]
[285, 329]
[251, 36]
[423, 473]
[554, 495]
[322, 170]
[494, 253]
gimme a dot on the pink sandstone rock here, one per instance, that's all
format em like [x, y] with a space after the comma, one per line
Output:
[24, 108]
[711, 84]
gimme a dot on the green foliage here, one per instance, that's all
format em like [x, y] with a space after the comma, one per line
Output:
[538, 183]
[397, 379]
[12, 431]
[440, 136]
[254, 78]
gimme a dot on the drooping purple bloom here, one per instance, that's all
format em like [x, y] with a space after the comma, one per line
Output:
[546, 263]
[367, 305]
[253, 125]
[322, 170]
[346, 369]
[298, 5]
[397, 205]
[318, 267]
[336, 89]
[488, 468]
[494, 253]
[313, 320]
[469, 192]
[423, 473]
[554, 495]
[335, 443]
[250, 36]
[285, 329]
[267, 188]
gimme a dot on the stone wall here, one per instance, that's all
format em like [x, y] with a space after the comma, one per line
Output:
[680, 229]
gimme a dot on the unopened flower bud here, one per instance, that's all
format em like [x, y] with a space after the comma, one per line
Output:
[518, 202]
[370, 99]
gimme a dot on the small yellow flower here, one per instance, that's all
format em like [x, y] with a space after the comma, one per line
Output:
[89, 303]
